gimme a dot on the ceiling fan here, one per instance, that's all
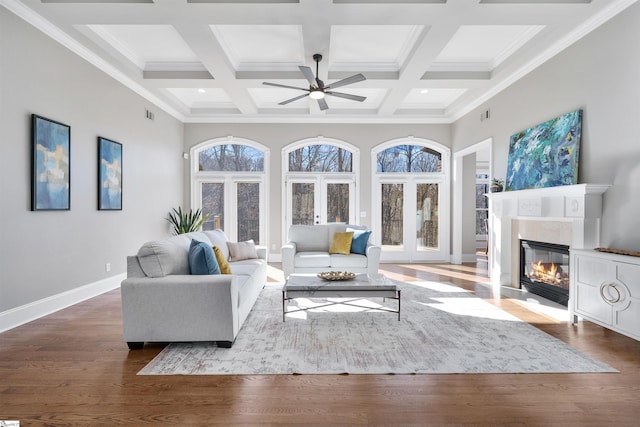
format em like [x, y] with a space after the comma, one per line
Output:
[317, 90]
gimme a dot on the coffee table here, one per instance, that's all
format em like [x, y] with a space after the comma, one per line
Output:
[362, 286]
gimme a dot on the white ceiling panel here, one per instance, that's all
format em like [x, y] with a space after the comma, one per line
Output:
[462, 51]
[202, 98]
[431, 97]
[270, 97]
[261, 46]
[144, 44]
[371, 47]
[486, 44]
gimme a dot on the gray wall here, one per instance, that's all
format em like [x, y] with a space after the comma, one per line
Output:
[601, 75]
[277, 136]
[47, 253]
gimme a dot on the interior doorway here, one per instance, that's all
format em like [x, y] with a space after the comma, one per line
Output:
[468, 164]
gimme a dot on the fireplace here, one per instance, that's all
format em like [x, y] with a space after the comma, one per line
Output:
[544, 270]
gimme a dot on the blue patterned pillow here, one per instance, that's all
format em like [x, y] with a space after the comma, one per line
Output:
[202, 260]
[359, 242]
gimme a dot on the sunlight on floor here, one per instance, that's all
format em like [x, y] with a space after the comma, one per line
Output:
[472, 307]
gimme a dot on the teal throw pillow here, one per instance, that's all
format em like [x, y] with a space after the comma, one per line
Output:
[202, 260]
[359, 242]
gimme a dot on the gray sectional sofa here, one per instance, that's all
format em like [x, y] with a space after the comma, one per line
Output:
[163, 302]
[307, 251]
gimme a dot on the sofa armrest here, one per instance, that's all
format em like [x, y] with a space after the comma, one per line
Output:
[288, 253]
[373, 258]
[261, 251]
[180, 308]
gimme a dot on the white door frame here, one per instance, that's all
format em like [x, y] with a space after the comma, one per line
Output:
[458, 160]
[353, 176]
[441, 178]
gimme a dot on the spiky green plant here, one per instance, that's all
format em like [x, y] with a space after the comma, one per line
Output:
[186, 222]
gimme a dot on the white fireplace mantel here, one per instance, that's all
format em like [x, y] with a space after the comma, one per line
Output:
[579, 205]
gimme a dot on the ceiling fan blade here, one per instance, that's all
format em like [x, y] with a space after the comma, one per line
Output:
[349, 80]
[308, 74]
[347, 96]
[293, 99]
[285, 86]
[323, 104]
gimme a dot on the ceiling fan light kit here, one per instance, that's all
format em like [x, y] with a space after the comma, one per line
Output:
[317, 90]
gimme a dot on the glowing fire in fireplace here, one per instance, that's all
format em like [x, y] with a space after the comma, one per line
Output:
[543, 272]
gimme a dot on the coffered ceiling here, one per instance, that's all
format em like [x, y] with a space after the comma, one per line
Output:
[425, 61]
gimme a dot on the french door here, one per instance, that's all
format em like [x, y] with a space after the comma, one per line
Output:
[320, 200]
[408, 213]
[235, 205]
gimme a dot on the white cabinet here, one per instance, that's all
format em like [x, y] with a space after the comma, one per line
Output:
[605, 289]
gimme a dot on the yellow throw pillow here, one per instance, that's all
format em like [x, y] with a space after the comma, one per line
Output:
[225, 268]
[341, 243]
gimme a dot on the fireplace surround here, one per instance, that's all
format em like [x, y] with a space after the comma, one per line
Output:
[568, 215]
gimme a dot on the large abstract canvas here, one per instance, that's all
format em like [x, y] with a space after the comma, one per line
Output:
[545, 155]
[51, 180]
[110, 175]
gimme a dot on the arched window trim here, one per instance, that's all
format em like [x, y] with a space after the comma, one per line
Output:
[197, 176]
[443, 177]
[319, 140]
[436, 146]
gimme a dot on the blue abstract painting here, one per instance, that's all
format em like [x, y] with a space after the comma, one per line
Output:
[545, 155]
[51, 182]
[110, 176]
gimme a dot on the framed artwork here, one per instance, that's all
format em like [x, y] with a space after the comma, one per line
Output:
[51, 165]
[545, 155]
[109, 175]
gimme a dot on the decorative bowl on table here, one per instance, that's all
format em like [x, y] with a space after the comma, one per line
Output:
[336, 275]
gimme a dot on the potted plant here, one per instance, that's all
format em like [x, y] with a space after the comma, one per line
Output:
[186, 222]
[497, 185]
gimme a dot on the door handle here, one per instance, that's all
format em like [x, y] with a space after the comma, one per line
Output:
[612, 300]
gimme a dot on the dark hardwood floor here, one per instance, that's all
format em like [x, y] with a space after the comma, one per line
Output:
[72, 368]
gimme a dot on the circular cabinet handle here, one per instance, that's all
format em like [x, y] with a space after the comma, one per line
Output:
[615, 288]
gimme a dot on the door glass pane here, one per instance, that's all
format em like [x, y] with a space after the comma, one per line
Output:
[213, 204]
[427, 216]
[337, 203]
[392, 214]
[248, 214]
[302, 203]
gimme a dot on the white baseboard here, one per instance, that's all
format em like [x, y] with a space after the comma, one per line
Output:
[26, 313]
[469, 257]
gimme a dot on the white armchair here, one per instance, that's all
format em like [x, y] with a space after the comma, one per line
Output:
[307, 251]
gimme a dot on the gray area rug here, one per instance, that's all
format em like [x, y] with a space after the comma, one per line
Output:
[443, 329]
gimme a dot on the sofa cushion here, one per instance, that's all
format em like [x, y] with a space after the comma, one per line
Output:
[341, 243]
[242, 250]
[202, 260]
[163, 257]
[225, 268]
[312, 259]
[219, 239]
[346, 262]
[310, 237]
[359, 242]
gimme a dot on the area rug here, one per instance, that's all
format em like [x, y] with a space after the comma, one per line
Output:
[443, 329]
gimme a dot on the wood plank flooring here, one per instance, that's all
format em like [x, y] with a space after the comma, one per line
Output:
[72, 368]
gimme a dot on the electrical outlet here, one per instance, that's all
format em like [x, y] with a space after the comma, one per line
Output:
[273, 246]
[107, 267]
